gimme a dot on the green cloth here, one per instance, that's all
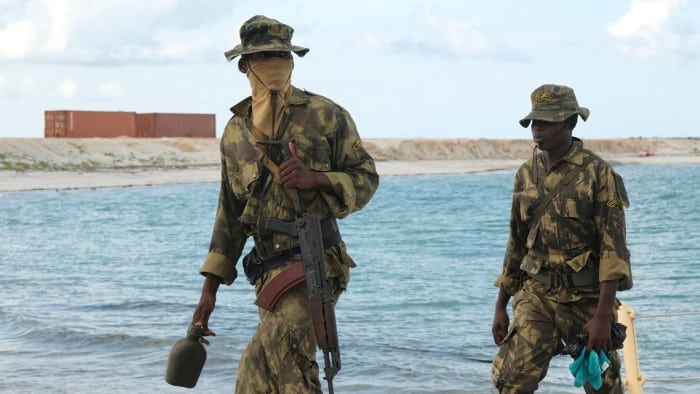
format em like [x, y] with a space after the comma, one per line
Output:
[589, 368]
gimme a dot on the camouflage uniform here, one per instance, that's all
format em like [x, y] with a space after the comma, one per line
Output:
[581, 236]
[281, 354]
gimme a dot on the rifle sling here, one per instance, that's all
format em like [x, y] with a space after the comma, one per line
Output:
[561, 185]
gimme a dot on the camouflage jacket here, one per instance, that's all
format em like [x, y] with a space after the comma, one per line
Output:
[326, 140]
[582, 228]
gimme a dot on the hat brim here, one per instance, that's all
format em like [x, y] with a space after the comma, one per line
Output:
[583, 112]
[238, 50]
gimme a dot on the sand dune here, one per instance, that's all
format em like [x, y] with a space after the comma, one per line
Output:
[37, 163]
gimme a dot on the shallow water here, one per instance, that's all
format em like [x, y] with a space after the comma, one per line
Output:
[98, 284]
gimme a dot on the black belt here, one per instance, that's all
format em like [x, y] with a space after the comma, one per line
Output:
[254, 266]
[267, 249]
[294, 254]
[566, 280]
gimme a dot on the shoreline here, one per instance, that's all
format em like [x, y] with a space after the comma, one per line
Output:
[84, 163]
[34, 180]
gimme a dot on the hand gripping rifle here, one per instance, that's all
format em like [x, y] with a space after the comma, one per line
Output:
[307, 229]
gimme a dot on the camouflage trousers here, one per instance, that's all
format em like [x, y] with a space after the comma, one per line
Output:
[538, 325]
[281, 355]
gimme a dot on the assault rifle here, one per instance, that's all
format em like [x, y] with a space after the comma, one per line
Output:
[307, 229]
[618, 333]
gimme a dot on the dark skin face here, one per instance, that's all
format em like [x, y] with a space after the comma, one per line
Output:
[553, 138]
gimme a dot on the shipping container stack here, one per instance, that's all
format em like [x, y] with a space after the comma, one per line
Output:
[102, 124]
[175, 125]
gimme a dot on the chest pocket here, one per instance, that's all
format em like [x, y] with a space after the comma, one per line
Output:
[573, 222]
[316, 157]
[527, 203]
[241, 180]
[312, 143]
[574, 209]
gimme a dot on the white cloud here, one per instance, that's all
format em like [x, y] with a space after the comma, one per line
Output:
[28, 85]
[59, 28]
[14, 89]
[644, 18]
[17, 40]
[438, 35]
[106, 31]
[652, 28]
[459, 37]
[373, 43]
[67, 88]
[174, 45]
[110, 90]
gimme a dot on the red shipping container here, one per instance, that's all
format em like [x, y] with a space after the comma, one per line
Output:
[86, 124]
[156, 125]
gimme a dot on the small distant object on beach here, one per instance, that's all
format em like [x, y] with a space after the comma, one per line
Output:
[646, 153]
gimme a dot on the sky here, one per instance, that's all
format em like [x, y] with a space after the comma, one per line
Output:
[402, 68]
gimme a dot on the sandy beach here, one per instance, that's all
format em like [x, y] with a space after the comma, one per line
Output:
[46, 164]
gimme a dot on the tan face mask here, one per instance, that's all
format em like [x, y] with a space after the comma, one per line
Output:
[270, 80]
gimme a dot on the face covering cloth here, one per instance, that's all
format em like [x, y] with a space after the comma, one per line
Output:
[270, 81]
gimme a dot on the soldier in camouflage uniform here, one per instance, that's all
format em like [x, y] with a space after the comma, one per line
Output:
[335, 177]
[564, 267]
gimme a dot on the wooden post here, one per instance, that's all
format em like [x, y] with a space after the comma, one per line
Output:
[634, 380]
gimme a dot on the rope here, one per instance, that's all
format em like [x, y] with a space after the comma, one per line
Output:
[668, 315]
[670, 380]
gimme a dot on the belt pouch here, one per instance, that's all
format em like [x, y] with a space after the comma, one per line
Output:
[252, 266]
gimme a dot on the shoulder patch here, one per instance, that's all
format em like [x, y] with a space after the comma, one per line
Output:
[615, 202]
[621, 190]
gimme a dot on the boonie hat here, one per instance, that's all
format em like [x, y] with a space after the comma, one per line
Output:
[263, 34]
[553, 103]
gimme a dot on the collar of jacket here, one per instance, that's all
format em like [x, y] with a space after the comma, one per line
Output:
[574, 155]
[242, 109]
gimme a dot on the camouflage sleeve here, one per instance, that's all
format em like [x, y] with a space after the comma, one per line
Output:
[610, 219]
[228, 237]
[354, 178]
[510, 278]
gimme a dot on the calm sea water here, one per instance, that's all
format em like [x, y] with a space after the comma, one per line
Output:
[96, 285]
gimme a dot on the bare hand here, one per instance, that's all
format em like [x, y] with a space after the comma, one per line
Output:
[598, 329]
[499, 329]
[295, 174]
[205, 307]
